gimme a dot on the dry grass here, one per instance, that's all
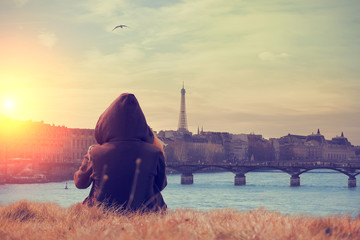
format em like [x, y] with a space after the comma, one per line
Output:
[31, 220]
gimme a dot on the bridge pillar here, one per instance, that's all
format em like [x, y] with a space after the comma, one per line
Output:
[187, 178]
[240, 179]
[352, 182]
[294, 181]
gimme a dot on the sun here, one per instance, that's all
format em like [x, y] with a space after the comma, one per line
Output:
[8, 105]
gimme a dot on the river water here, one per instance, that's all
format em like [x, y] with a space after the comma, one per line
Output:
[322, 193]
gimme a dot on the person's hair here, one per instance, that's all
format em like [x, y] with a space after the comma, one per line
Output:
[157, 143]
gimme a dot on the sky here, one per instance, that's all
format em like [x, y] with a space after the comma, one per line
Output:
[251, 66]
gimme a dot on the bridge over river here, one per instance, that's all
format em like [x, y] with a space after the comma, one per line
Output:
[187, 169]
[294, 169]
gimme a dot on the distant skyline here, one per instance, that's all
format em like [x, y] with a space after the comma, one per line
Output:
[267, 67]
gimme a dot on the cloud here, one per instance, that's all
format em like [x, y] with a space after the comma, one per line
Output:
[239, 48]
[269, 56]
[104, 8]
[20, 3]
[47, 39]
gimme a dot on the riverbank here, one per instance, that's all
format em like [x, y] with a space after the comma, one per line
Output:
[33, 220]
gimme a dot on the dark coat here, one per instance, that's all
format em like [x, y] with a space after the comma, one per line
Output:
[125, 168]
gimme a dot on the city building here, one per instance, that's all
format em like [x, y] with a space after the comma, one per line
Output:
[28, 147]
[239, 147]
[44, 142]
[314, 147]
[79, 142]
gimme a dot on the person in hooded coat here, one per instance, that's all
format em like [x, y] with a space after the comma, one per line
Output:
[126, 168]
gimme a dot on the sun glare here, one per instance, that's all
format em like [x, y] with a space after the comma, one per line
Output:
[8, 106]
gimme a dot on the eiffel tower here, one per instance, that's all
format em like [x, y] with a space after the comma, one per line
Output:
[182, 127]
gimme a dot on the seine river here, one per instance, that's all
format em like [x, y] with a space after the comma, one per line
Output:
[322, 193]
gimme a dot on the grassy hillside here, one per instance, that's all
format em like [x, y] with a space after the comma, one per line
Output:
[32, 220]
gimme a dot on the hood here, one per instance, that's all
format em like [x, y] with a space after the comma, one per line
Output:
[123, 120]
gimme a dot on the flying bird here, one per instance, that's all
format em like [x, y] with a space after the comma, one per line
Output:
[120, 26]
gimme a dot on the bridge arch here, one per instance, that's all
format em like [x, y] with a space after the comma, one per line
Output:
[194, 169]
[247, 170]
[329, 168]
